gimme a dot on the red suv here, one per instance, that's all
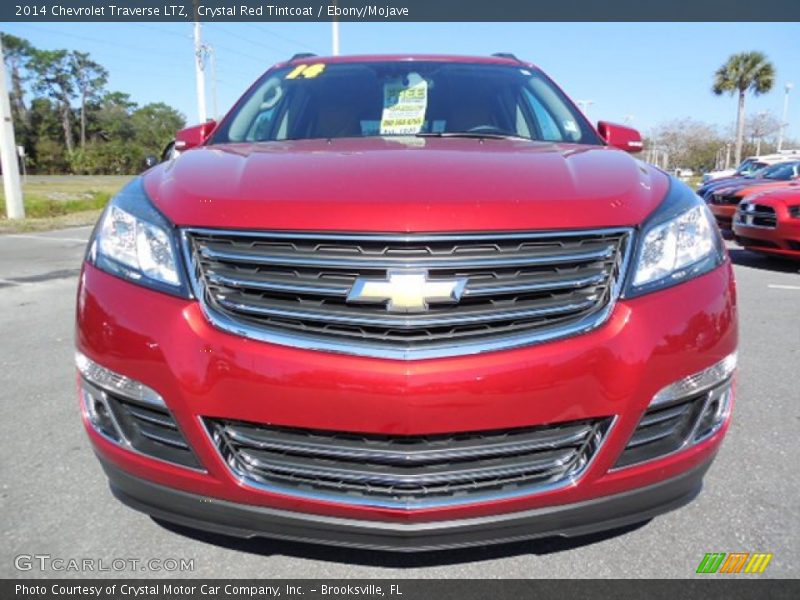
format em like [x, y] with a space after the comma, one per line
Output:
[406, 302]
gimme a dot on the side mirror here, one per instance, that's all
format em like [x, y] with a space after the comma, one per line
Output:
[169, 152]
[619, 136]
[150, 161]
[194, 136]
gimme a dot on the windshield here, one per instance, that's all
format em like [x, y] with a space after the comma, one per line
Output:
[750, 167]
[782, 172]
[404, 98]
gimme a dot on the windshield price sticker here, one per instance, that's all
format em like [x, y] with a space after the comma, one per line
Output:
[404, 106]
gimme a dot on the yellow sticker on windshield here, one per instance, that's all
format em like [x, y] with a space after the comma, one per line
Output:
[306, 71]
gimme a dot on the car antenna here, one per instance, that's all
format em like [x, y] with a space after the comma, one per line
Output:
[506, 55]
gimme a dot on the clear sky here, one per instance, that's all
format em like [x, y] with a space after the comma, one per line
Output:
[646, 72]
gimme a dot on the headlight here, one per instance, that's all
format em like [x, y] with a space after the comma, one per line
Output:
[135, 241]
[679, 241]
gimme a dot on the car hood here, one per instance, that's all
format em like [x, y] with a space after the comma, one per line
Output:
[787, 195]
[743, 189]
[406, 185]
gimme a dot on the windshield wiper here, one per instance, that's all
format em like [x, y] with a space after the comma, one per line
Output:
[473, 134]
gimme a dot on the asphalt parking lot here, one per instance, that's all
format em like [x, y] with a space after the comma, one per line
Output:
[54, 498]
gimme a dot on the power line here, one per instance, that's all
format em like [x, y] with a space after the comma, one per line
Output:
[163, 57]
[245, 39]
[164, 31]
[295, 43]
[86, 38]
[242, 54]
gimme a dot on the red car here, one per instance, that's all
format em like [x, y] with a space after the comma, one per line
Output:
[406, 302]
[723, 201]
[769, 223]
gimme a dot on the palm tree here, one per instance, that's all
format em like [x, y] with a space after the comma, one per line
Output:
[743, 72]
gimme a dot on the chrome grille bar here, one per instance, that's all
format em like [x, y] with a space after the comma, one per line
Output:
[320, 446]
[549, 462]
[349, 262]
[524, 285]
[356, 317]
[277, 285]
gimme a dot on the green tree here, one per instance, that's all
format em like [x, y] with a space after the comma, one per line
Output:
[689, 143]
[115, 134]
[44, 125]
[53, 76]
[112, 117]
[742, 73]
[108, 158]
[90, 78]
[50, 157]
[155, 124]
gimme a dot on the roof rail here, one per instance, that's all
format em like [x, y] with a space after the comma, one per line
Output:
[300, 55]
[506, 55]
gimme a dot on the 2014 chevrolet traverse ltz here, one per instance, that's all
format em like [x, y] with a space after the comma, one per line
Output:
[406, 302]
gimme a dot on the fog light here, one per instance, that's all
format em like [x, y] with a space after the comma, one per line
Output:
[717, 409]
[116, 383]
[99, 413]
[697, 383]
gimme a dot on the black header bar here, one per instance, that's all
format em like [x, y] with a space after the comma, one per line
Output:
[398, 10]
[741, 587]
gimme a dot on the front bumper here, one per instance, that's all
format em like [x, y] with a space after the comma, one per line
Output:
[611, 372]
[580, 518]
[783, 240]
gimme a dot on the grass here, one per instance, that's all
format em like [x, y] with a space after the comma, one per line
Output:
[55, 201]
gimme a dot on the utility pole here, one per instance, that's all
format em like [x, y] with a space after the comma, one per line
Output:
[335, 36]
[210, 50]
[200, 72]
[15, 209]
[785, 119]
[584, 106]
[335, 33]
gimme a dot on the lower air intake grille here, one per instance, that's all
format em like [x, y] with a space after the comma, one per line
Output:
[407, 471]
[151, 430]
[666, 429]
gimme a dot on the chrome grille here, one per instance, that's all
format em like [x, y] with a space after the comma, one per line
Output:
[292, 288]
[407, 471]
[750, 214]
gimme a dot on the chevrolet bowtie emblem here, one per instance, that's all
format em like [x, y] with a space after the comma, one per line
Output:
[407, 291]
